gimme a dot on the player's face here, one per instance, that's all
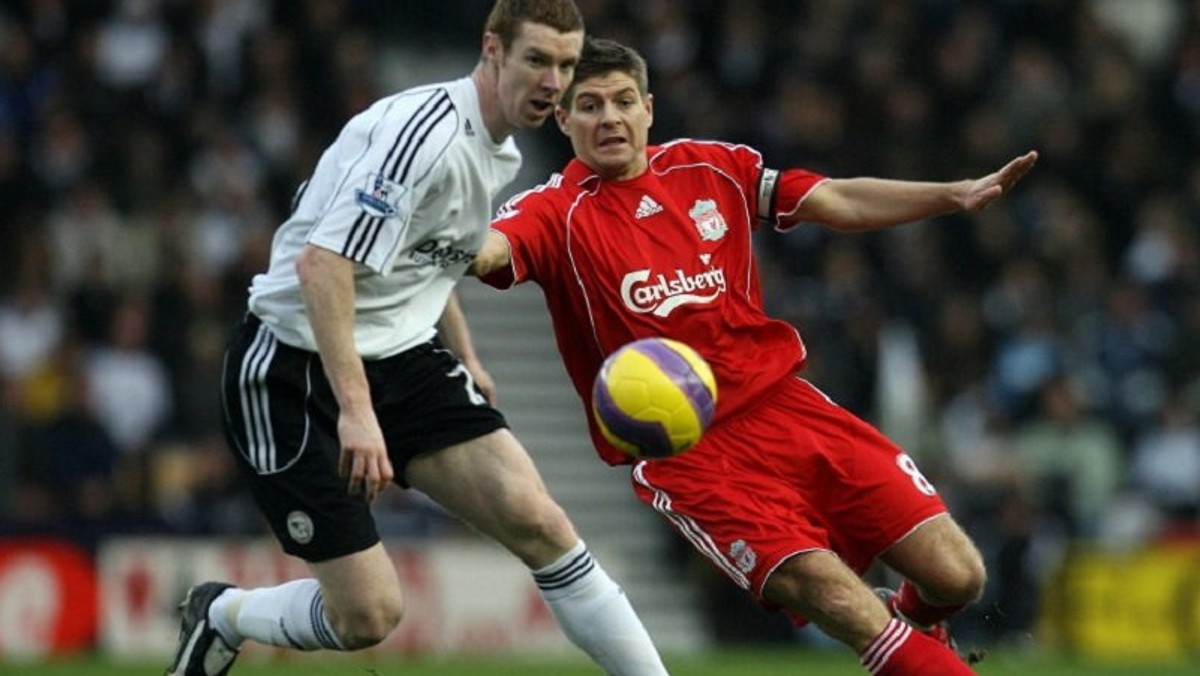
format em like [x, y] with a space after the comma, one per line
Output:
[533, 72]
[609, 125]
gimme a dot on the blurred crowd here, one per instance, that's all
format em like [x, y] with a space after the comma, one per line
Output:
[1041, 358]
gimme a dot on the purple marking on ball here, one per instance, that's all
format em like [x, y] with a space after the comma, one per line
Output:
[655, 441]
[680, 369]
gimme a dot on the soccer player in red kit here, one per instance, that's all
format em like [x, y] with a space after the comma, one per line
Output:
[789, 495]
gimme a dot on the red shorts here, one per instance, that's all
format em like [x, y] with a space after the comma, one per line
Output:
[795, 473]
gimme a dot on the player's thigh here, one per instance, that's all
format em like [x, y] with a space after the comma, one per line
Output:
[491, 483]
[874, 495]
[941, 559]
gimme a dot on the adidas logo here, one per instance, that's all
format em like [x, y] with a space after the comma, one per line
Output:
[468, 129]
[647, 207]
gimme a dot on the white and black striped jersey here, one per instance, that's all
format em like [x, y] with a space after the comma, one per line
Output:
[405, 192]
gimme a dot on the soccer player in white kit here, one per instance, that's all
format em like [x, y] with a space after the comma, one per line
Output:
[338, 384]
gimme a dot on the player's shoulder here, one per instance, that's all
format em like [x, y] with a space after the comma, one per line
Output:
[551, 194]
[690, 151]
[436, 104]
[415, 127]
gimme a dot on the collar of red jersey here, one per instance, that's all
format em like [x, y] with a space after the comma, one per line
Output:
[579, 173]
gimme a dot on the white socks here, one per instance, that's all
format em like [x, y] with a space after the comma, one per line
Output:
[597, 616]
[291, 615]
[592, 610]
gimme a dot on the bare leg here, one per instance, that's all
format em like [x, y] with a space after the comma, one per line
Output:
[820, 587]
[354, 602]
[492, 484]
[942, 562]
[362, 594]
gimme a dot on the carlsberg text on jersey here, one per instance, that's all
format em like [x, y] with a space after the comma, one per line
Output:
[664, 294]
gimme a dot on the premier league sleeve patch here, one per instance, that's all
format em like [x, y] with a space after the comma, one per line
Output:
[380, 197]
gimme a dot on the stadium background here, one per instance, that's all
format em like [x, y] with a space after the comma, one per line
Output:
[1041, 359]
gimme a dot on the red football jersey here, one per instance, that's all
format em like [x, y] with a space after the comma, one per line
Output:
[667, 254]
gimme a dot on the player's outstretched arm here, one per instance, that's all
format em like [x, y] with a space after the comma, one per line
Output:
[492, 256]
[855, 204]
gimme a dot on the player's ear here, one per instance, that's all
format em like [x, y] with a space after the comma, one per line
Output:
[492, 49]
[560, 116]
[650, 109]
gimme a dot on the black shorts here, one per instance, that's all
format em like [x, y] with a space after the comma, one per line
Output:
[280, 419]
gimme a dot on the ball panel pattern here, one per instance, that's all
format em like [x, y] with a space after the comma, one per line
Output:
[687, 369]
[617, 426]
[654, 397]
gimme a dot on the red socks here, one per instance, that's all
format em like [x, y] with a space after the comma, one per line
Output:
[909, 604]
[902, 651]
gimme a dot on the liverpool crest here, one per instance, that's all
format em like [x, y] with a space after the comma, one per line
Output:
[708, 220]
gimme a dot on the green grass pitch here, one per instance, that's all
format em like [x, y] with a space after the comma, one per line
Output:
[746, 662]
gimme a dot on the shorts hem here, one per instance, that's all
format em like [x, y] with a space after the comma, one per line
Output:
[443, 442]
[782, 560]
[327, 555]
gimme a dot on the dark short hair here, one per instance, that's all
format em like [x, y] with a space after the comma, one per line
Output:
[507, 16]
[600, 57]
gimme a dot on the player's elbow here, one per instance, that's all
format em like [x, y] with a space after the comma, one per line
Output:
[306, 264]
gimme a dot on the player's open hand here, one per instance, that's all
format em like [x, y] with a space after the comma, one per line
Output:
[364, 461]
[988, 189]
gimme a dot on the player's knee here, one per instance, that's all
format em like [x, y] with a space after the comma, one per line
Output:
[540, 534]
[947, 565]
[538, 520]
[963, 579]
[369, 624]
[973, 578]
